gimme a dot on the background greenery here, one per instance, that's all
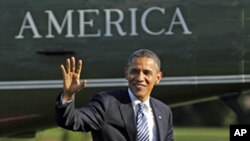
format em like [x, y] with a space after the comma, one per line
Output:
[181, 134]
[206, 114]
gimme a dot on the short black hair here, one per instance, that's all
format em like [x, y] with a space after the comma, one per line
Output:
[145, 53]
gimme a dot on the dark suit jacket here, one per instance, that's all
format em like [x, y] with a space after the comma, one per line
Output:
[110, 117]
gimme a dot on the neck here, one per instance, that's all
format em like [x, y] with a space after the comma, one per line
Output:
[142, 99]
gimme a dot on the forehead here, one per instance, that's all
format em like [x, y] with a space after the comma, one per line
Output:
[144, 62]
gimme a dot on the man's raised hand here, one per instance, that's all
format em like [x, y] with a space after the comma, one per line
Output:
[71, 78]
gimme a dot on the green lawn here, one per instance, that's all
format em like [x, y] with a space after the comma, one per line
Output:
[181, 134]
[201, 134]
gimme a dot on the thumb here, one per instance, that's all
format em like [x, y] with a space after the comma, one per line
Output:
[83, 84]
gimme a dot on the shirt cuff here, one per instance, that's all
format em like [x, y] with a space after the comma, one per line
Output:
[64, 102]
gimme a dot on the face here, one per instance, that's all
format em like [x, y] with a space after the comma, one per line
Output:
[142, 74]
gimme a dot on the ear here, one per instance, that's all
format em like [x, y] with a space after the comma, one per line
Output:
[159, 77]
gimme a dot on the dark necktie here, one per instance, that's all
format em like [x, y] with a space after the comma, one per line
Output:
[142, 124]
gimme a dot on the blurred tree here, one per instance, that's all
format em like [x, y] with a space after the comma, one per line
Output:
[211, 113]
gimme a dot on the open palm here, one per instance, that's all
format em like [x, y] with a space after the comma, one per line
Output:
[71, 78]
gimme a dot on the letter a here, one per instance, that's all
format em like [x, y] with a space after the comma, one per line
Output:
[181, 22]
[237, 132]
[28, 23]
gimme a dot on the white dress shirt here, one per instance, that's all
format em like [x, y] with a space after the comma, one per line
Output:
[149, 114]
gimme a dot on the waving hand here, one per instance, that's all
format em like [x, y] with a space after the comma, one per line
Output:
[71, 78]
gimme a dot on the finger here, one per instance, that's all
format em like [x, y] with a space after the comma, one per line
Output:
[63, 70]
[64, 73]
[67, 65]
[73, 63]
[79, 67]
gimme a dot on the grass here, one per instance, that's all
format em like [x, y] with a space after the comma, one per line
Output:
[180, 133]
[201, 134]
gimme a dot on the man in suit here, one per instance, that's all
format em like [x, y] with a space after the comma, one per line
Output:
[128, 114]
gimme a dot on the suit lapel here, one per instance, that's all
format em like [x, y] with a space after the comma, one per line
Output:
[158, 120]
[128, 116]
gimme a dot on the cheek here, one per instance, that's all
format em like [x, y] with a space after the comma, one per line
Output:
[129, 77]
[152, 81]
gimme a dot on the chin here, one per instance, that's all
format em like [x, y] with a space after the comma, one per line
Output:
[140, 95]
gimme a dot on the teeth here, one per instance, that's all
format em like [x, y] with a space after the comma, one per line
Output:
[139, 85]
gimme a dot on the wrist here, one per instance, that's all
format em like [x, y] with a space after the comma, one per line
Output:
[67, 97]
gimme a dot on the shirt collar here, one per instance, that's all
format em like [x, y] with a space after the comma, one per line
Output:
[136, 101]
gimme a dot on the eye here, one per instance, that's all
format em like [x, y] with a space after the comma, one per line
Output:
[147, 72]
[134, 71]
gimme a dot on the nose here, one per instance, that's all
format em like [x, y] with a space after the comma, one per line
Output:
[140, 77]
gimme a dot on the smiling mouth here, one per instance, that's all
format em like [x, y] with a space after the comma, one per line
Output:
[139, 85]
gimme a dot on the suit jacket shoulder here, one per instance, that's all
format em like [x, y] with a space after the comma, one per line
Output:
[159, 103]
